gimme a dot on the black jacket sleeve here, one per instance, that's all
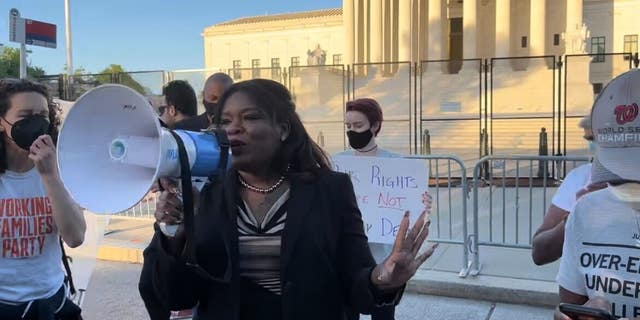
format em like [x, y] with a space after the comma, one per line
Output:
[173, 283]
[166, 276]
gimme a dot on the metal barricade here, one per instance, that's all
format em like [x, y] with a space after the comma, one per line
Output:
[145, 209]
[448, 186]
[449, 189]
[504, 227]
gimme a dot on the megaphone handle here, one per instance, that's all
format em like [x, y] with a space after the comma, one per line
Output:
[223, 143]
[187, 201]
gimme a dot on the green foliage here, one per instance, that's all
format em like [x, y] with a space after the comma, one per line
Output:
[76, 72]
[105, 76]
[10, 65]
[114, 73]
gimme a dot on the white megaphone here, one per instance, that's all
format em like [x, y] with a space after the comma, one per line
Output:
[112, 148]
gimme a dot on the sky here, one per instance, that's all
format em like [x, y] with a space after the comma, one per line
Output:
[140, 35]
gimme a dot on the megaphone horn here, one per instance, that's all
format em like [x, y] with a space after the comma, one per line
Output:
[112, 148]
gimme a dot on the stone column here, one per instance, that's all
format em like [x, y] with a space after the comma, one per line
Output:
[435, 30]
[469, 36]
[574, 14]
[348, 23]
[503, 28]
[537, 31]
[404, 30]
[573, 32]
[375, 34]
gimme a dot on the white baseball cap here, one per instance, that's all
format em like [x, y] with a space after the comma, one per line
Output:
[615, 122]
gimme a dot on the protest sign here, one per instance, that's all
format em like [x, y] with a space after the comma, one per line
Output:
[385, 188]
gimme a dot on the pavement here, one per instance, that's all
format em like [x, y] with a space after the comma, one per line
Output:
[111, 296]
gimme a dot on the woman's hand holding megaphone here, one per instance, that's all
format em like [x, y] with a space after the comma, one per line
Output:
[169, 208]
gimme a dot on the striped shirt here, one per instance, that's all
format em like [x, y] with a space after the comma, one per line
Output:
[259, 243]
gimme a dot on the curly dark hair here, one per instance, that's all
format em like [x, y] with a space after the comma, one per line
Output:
[10, 87]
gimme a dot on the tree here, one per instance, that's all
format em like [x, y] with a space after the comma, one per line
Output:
[76, 72]
[114, 73]
[124, 78]
[10, 65]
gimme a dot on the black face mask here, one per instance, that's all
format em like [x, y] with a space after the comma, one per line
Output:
[27, 130]
[359, 140]
[211, 107]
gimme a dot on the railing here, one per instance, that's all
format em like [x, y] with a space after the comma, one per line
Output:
[511, 195]
[508, 178]
[507, 99]
[470, 113]
[145, 209]
[449, 190]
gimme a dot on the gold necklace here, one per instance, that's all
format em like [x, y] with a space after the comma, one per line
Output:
[261, 190]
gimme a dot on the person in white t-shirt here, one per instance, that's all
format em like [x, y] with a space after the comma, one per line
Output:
[548, 239]
[601, 253]
[35, 208]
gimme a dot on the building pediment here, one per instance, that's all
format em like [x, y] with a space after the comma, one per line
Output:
[325, 17]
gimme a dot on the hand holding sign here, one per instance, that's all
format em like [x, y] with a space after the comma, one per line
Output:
[426, 200]
[404, 260]
[385, 188]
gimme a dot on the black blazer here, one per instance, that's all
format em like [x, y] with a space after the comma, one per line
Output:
[326, 263]
[197, 123]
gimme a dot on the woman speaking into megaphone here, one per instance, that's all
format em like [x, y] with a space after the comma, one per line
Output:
[281, 236]
[35, 209]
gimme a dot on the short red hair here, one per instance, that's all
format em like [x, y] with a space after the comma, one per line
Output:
[370, 108]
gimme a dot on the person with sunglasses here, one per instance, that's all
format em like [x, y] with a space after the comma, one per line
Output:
[549, 238]
[178, 106]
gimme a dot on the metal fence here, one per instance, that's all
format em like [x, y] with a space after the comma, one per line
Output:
[584, 76]
[450, 109]
[392, 85]
[510, 202]
[273, 73]
[145, 82]
[471, 107]
[449, 219]
[320, 95]
[431, 107]
[518, 108]
[145, 209]
[196, 79]
[55, 85]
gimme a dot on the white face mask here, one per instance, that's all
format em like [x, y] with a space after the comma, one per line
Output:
[628, 192]
[591, 146]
